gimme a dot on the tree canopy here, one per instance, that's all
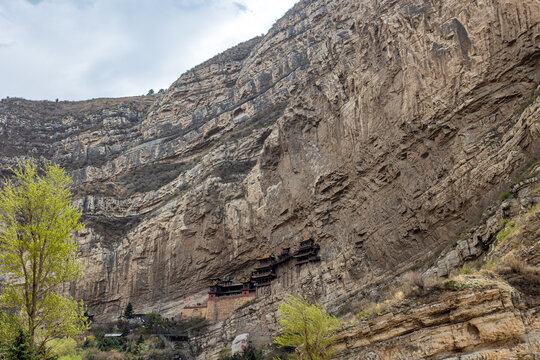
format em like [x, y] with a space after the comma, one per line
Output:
[38, 252]
[306, 327]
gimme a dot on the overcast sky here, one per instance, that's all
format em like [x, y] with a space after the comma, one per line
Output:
[81, 49]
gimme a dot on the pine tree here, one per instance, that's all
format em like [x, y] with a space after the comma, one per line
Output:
[20, 348]
[128, 313]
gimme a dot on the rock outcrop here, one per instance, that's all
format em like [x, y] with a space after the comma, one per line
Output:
[479, 324]
[380, 128]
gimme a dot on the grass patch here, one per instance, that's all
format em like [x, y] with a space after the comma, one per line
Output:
[366, 313]
[508, 229]
[478, 280]
[380, 308]
[453, 285]
[516, 264]
[226, 351]
[505, 195]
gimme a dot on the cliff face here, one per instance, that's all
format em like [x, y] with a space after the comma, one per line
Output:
[478, 300]
[381, 128]
[487, 309]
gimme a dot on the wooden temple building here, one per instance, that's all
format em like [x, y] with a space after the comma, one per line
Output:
[307, 252]
[224, 296]
[221, 288]
[265, 271]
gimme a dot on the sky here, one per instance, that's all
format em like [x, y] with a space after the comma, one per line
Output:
[83, 49]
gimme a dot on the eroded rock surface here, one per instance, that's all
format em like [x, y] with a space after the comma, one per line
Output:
[484, 305]
[381, 128]
[481, 324]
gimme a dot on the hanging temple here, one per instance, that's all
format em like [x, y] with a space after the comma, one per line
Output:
[225, 296]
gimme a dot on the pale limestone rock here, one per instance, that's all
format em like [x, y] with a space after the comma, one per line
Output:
[240, 343]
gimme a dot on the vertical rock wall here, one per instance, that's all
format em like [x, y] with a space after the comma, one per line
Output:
[381, 128]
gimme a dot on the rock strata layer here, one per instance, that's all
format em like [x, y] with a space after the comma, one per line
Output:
[471, 325]
[380, 128]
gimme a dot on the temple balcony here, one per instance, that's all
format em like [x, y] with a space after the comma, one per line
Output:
[262, 275]
[265, 266]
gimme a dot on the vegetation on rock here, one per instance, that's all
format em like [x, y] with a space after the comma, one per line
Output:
[308, 328]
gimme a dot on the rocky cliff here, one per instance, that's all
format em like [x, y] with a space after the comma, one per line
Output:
[480, 299]
[380, 128]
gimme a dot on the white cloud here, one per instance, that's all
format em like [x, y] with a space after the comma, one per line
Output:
[73, 49]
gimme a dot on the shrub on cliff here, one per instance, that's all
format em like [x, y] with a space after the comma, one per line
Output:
[153, 323]
[38, 253]
[308, 328]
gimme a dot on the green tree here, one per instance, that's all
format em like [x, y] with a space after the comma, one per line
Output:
[65, 348]
[20, 348]
[38, 252]
[150, 92]
[153, 323]
[306, 327]
[128, 313]
[9, 326]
